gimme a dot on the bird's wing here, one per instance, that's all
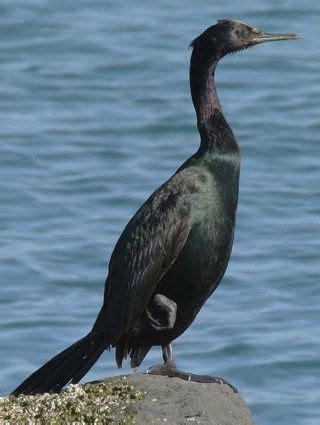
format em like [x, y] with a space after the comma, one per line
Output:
[145, 251]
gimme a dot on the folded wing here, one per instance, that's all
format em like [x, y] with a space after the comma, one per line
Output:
[145, 251]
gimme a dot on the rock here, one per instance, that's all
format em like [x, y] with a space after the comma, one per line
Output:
[136, 398]
[175, 401]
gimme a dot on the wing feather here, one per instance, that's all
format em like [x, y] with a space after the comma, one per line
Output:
[145, 251]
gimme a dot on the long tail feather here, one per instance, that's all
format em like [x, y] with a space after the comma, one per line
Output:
[68, 366]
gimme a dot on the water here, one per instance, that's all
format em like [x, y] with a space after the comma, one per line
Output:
[95, 114]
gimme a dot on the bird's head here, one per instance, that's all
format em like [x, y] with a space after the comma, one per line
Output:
[229, 36]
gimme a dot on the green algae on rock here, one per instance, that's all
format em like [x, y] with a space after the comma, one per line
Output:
[102, 402]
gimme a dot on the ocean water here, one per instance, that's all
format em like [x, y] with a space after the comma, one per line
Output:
[95, 114]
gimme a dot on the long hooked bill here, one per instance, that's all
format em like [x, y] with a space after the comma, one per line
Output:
[263, 37]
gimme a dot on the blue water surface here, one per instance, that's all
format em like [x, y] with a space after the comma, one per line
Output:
[95, 114]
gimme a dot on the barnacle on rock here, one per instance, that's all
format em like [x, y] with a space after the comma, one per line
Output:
[102, 402]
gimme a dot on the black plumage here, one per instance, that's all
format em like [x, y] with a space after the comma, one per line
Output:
[173, 253]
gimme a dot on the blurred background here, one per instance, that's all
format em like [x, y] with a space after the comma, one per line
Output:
[95, 114]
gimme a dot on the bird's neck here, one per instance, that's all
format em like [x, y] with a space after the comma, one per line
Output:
[215, 133]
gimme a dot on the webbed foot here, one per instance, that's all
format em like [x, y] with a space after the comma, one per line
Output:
[169, 368]
[211, 379]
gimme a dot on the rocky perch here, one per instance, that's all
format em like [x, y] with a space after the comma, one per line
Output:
[137, 398]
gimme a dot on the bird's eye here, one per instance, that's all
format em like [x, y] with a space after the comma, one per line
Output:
[245, 34]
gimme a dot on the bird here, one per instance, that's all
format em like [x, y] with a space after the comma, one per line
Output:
[173, 253]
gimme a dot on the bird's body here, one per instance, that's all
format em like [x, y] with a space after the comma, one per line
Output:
[173, 253]
[196, 205]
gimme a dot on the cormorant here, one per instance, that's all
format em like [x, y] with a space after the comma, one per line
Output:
[174, 251]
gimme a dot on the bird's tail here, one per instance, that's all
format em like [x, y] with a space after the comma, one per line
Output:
[69, 366]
